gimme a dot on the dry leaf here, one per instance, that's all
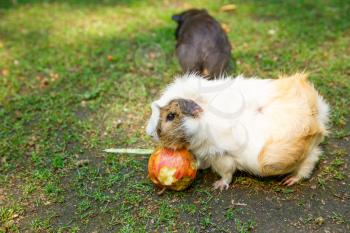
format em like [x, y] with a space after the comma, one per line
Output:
[271, 32]
[229, 7]
[152, 55]
[225, 27]
[44, 83]
[5, 72]
[47, 203]
[187, 6]
[54, 76]
[319, 221]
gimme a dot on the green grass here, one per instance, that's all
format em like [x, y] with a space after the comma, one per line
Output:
[77, 77]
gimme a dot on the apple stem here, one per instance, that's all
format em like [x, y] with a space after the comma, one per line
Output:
[161, 191]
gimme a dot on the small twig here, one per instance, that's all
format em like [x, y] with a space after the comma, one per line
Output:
[238, 203]
[161, 191]
[338, 196]
[129, 151]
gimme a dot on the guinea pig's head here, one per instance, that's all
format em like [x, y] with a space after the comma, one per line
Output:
[169, 128]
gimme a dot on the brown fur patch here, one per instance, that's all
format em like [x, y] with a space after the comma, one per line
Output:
[296, 108]
[283, 156]
[171, 133]
[205, 72]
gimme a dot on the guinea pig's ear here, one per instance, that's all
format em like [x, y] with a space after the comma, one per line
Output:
[189, 107]
[153, 120]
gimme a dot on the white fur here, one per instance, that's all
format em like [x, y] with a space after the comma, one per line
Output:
[231, 126]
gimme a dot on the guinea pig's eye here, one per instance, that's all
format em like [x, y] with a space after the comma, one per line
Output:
[170, 116]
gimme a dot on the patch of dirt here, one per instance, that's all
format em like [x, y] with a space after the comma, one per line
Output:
[256, 204]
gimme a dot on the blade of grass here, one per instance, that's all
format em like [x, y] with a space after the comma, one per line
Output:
[129, 151]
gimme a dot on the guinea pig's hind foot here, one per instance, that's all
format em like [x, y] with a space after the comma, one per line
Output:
[221, 184]
[304, 170]
[291, 180]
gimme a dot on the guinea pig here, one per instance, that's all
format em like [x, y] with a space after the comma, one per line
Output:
[202, 45]
[266, 127]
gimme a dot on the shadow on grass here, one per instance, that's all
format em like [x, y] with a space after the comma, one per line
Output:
[131, 77]
[49, 114]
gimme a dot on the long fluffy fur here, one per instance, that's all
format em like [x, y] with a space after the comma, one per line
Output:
[262, 126]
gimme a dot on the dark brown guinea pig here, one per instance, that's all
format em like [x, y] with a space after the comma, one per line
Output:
[202, 45]
[170, 125]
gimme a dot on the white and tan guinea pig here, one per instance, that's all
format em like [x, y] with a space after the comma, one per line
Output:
[262, 126]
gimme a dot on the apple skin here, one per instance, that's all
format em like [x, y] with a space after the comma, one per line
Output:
[172, 169]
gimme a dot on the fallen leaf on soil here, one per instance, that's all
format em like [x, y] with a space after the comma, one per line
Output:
[32, 141]
[54, 76]
[229, 7]
[83, 103]
[187, 6]
[271, 32]
[319, 221]
[225, 27]
[47, 203]
[44, 83]
[5, 72]
[152, 55]
[118, 123]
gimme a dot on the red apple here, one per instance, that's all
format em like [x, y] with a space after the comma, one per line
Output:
[173, 169]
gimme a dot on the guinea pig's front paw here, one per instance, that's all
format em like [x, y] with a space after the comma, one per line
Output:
[221, 184]
[201, 164]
